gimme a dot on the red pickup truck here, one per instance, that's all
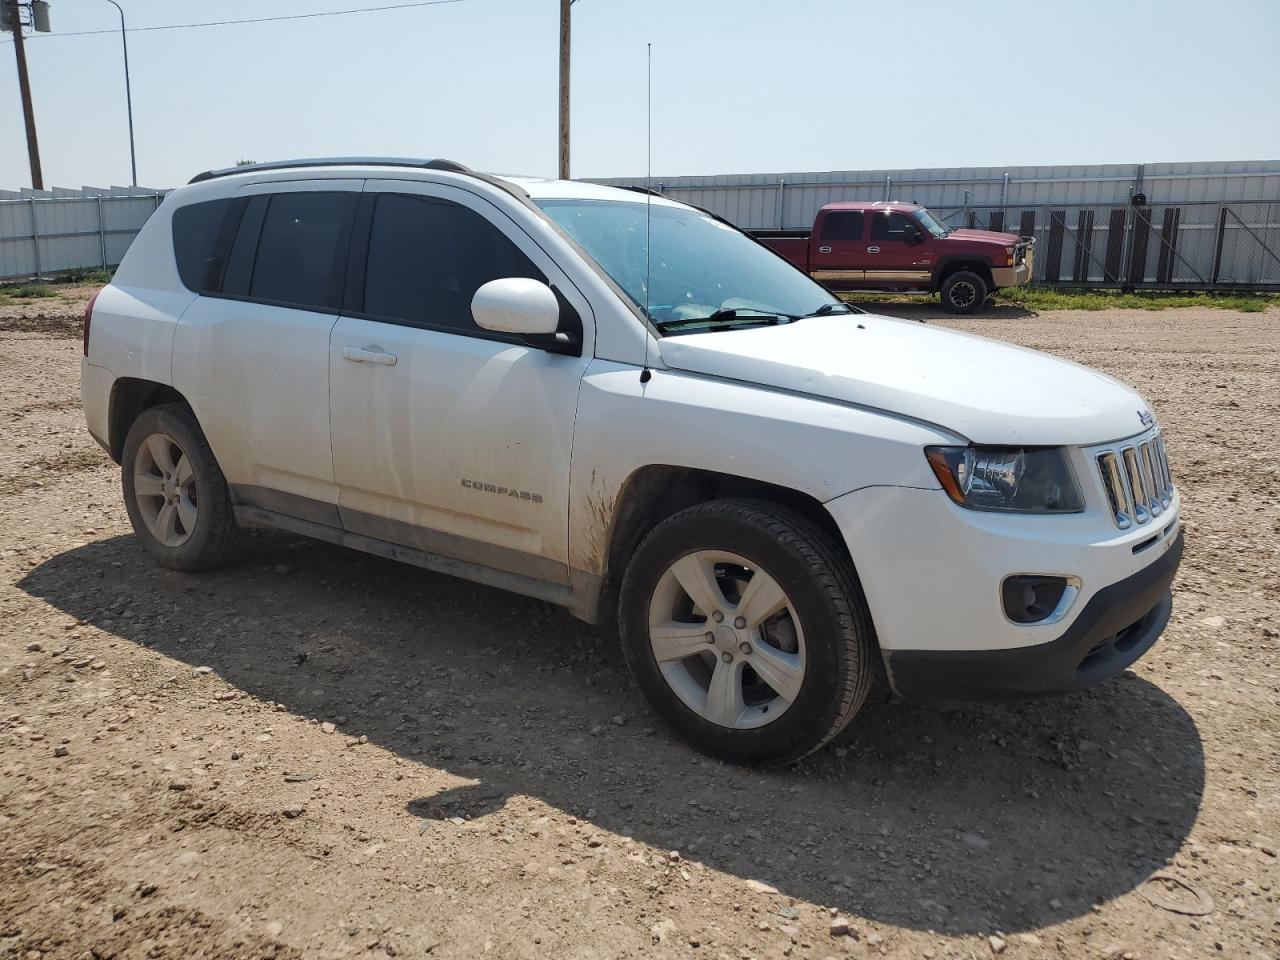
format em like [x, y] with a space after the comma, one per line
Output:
[902, 246]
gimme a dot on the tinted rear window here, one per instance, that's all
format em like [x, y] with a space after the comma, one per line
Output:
[842, 227]
[427, 258]
[201, 236]
[302, 250]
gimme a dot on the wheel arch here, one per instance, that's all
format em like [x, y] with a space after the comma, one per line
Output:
[652, 493]
[979, 265]
[129, 397]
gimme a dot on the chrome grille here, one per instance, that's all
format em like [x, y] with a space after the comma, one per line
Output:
[1137, 480]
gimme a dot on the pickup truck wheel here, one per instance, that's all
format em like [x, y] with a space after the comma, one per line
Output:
[747, 631]
[174, 491]
[963, 292]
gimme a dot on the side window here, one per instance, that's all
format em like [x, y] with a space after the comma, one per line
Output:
[889, 226]
[202, 235]
[427, 257]
[302, 249]
[842, 227]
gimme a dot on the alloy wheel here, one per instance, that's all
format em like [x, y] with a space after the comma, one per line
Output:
[963, 294]
[727, 639]
[164, 486]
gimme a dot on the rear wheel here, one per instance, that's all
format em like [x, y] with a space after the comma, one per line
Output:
[747, 631]
[963, 292]
[174, 491]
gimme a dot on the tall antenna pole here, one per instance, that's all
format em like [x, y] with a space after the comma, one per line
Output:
[564, 88]
[645, 373]
[648, 181]
[24, 86]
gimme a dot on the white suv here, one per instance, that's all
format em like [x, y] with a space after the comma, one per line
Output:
[626, 406]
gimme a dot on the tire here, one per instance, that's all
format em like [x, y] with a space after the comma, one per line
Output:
[174, 492]
[963, 292]
[817, 651]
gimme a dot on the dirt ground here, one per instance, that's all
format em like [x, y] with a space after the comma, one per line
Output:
[316, 753]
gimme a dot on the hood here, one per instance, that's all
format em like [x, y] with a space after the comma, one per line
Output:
[984, 390]
[985, 236]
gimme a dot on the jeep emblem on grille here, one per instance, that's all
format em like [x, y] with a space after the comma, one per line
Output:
[1146, 418]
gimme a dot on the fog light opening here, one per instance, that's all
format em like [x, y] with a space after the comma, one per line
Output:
[1037, 598]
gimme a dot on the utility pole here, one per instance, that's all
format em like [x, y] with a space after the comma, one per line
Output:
[24, 86]
[128, 93]
[564, 88]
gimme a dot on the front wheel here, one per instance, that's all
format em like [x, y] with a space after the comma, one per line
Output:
[747, 631]
[963, 292]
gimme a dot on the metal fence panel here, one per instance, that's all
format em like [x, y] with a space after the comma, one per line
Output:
[53, 231]
[1202, 225]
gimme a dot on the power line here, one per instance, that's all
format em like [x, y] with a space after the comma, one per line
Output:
[228, 23]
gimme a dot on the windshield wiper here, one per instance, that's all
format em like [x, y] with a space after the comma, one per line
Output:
[826, 310]
[723, 319]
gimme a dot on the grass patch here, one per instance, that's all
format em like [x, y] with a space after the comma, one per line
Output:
[1049, 298]
[97, 275]
[26, 291]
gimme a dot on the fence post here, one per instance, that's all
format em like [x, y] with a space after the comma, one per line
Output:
[888, 188]
[782, 203]
[102, 235]
[1217, 249]
[1123, 271]
[35, 237]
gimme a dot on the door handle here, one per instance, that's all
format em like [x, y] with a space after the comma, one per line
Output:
[873, 249]
[368, 355]
[824, 249]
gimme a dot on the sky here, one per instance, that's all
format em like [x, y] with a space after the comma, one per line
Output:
[739, 86]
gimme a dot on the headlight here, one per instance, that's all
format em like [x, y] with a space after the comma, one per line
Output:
[1017, 479]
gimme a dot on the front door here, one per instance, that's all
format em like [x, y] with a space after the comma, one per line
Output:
[892, 261]
[446, 437]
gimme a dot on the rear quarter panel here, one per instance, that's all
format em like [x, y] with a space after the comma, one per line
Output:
[132, 331]
[134, 316]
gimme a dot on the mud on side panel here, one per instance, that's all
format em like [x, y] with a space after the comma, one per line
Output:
[814, 447]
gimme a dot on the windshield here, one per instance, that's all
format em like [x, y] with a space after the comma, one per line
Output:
[703, 274]
[931, 223]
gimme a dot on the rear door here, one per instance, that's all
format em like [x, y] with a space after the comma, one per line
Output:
[446, 437]
[891, 261]
[252, 356]
[840, 249]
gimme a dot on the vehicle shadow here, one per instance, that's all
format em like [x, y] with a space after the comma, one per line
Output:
[927, 311]
[993, 817]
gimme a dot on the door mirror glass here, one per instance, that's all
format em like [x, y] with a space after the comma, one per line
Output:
[910, 234]
[516, 305]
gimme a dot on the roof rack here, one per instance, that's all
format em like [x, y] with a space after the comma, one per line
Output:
[449, 165]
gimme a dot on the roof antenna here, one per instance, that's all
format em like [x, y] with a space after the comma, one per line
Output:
[645, 373]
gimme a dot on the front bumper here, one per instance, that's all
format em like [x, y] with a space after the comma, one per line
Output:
[1017, 275]
[1111, 632]
[1012, 276]
[931, 573]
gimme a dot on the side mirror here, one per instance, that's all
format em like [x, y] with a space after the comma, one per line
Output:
[910, 234]
[516, 305]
